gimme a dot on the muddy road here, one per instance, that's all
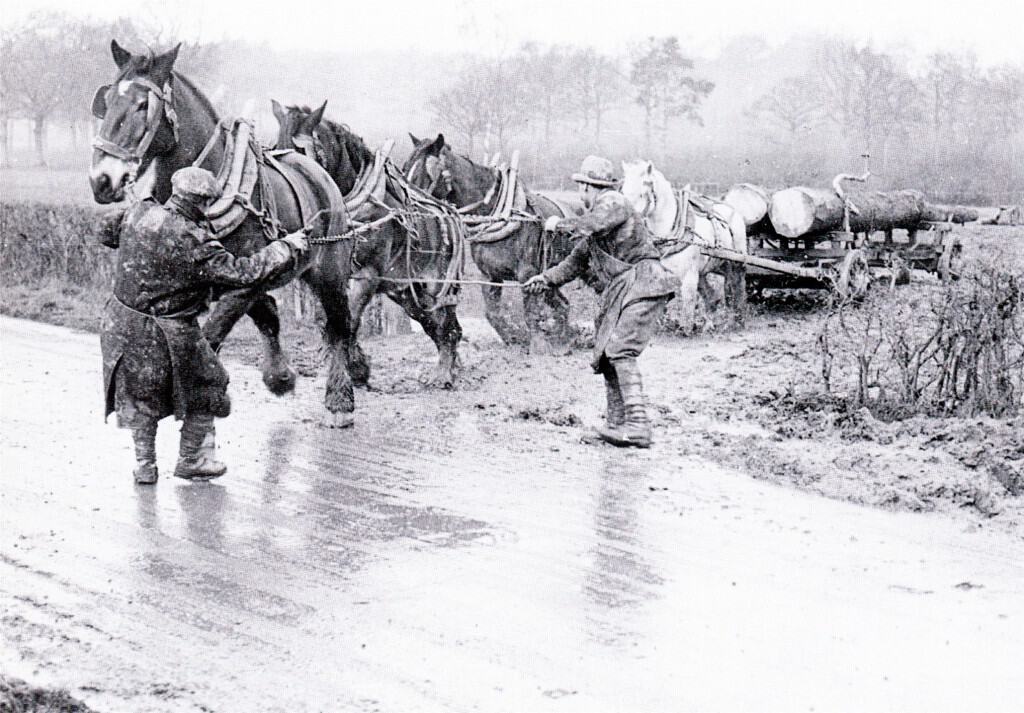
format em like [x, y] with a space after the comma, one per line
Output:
[439, 557]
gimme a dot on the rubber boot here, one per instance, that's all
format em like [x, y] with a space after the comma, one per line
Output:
[636, 431]
[144, 436]
[197, 456]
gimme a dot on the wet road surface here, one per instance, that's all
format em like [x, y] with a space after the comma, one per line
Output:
[426, 560]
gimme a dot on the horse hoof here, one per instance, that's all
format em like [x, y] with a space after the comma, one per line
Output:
[339, 419]
[439, 380]
[280, 382]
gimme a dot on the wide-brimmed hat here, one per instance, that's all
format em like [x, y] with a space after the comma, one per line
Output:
[596, 171]
[195, 183]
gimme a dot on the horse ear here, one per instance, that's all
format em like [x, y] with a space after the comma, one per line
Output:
[164, 63]
[278, 111]
[415, 141]
[317, 116]
[436, 145]
[650, 168]
[121, 55]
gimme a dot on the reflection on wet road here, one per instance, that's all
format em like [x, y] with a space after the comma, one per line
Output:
[425, 561]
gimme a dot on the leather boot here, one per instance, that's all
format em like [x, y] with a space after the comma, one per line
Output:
[144, 436]
[615, 415]
[636, 431]
[197, 455]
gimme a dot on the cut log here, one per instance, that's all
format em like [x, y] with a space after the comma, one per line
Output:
[949, 213]
[799, 211]
[1007, 215]
[748, 200]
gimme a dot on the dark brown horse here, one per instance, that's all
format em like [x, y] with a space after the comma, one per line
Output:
[528, 251]
[156, 121]
[413, 258]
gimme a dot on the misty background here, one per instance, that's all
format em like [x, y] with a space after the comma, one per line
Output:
[774, 113]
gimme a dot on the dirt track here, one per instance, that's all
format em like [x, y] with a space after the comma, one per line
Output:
[461, 551]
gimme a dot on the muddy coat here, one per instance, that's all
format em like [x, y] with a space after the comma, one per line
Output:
[156, 361]
[616, 248]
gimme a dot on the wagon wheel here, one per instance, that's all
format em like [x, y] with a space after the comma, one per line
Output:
[951, 262]
[853, 277]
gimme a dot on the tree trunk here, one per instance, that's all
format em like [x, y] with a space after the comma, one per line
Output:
[750, 201]
[952, 213]
[548, 110]
[39, 134]
[803, 211]
[647, 130]
[5, 142]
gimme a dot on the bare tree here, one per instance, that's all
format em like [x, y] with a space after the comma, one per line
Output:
[37, 56]
[597, 84]
[7, 110]
[665, 88]
[488, 99]
[868, 96]
[795, 105]
[542, 73]
[463, 106]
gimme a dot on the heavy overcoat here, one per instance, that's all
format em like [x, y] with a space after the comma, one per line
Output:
[155, 358]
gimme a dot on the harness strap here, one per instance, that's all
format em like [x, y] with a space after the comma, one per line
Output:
[157, 106]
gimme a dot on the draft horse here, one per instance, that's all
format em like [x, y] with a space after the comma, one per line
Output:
[681, 226]
[516, 256]
[413, 250]
[156, 121]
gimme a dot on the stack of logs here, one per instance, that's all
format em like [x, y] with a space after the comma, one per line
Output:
[800, 211]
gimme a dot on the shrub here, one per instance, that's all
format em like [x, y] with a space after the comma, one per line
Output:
[954, 349]
[41, 242]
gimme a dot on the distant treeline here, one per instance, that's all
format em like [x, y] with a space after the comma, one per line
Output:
[797, 113]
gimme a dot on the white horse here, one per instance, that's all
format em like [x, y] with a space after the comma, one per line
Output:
[653, 198]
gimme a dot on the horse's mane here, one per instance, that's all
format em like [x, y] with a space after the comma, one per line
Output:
[343, 135]
[196, 92]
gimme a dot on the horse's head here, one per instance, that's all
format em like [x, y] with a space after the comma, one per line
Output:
[138, 121]
[638, 185]
[429, 166]
[297, 129]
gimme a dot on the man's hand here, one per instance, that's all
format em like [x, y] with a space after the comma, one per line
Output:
[299, 240]
[551, 224]
[535, 285]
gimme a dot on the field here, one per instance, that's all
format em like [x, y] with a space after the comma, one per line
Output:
[746, 397]
[474, 549]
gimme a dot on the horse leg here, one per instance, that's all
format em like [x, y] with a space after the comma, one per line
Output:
[686, 265]
[707, 292]
[509, 331]
[442, 326]
[278, 374]
[228, 309]
[339, 398]
[736, 289]
[362, 287]
[547, 316]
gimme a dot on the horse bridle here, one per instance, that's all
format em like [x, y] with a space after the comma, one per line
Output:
[159, 104]
[444, 175]
[310, 145]
[650, 196]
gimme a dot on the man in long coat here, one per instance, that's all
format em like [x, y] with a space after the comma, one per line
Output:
[615, 253]
[156, 361]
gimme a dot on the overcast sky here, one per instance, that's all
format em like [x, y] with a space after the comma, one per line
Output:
[991, 28]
